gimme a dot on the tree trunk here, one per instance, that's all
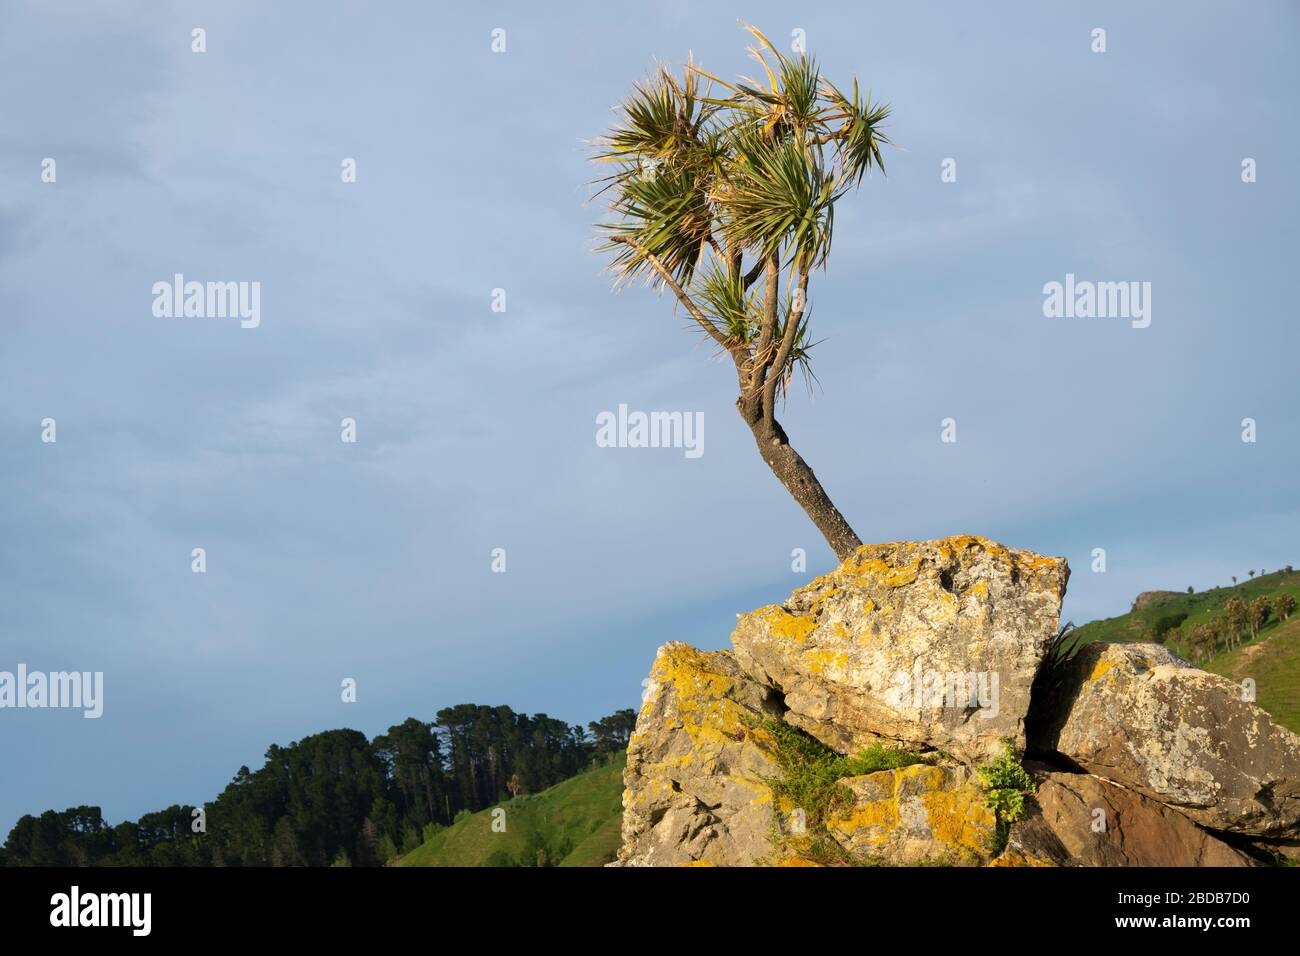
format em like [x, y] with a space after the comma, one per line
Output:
[793, 472]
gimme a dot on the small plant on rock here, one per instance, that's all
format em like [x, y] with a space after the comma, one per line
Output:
[1006, 784]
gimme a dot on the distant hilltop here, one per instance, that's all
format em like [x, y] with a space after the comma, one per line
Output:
[1153, 599]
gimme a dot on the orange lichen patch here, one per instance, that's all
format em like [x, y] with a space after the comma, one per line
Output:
[1100, 670]
[812, 597]
[798, 861]
[1016, 858]
[961, 818]
[1043, 573]
[966, 542]
[876, 570]
[900, 563]
[818, 590]
[819, 662]
[867, 634]
[781, 623]
[704, 710]
[957, 819]
[819, 597]
[699, 863]
[762, 792]
[653, 790]
[869, 824]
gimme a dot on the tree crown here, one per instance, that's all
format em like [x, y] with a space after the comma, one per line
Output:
[701, 183]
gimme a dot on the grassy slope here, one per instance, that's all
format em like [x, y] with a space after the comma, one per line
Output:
[577, 821]
[1272, 659]
[1273, 662]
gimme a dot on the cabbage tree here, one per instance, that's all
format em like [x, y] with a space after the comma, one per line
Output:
[724, 193]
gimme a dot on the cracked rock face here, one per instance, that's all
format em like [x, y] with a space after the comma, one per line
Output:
[930, 644]
[695, 778]
[1139, 715]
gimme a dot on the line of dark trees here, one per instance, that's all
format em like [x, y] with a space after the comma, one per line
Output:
[336, 798]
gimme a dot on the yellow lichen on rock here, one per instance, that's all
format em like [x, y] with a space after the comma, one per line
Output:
[781, 623]
[704, 710]
[698, 764]
[1016, 858]
[842, 649]
[921, 813]
[1100, 670]
[821, 661]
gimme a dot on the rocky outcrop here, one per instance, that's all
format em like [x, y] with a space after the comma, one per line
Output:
[931, 644]
[696, 774]
[914, 815]
[1139, 715]
[936, 648]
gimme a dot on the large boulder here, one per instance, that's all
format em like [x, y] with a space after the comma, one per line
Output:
[915, 815]
[696, 765]
[1100, 823]
[933, 644]
[1139, 715]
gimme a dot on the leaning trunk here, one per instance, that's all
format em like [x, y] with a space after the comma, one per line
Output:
[793, 472]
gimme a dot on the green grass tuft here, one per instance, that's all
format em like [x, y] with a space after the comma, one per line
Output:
[809, 780]
[811, 771]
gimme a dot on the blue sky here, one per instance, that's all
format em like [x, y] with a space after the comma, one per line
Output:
[476, 428]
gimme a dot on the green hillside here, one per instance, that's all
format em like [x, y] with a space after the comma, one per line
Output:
[1141, 625]
[1273, 662]
[1272, 659]
[574, 823]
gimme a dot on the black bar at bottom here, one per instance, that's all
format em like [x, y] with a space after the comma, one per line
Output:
[337, 905]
